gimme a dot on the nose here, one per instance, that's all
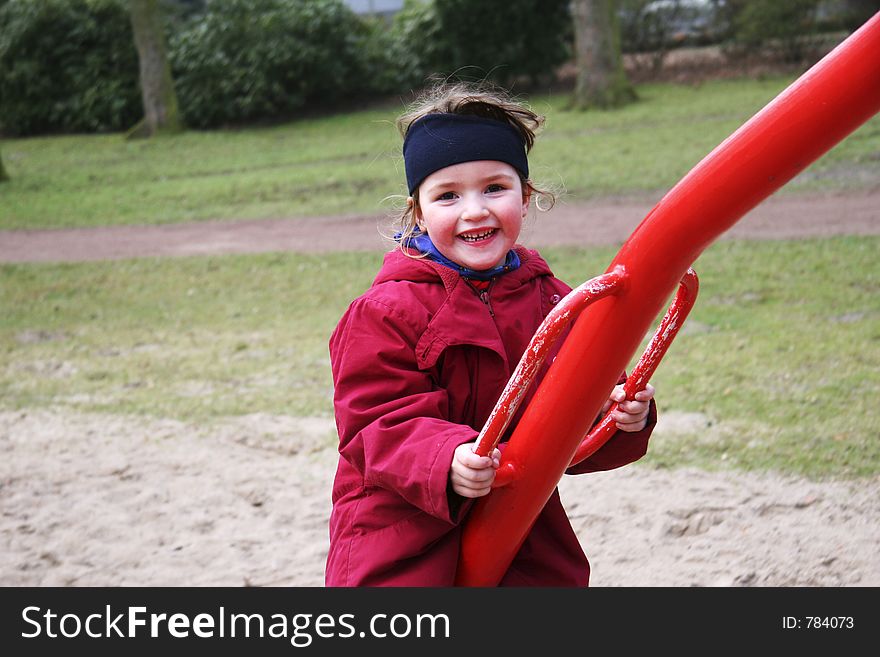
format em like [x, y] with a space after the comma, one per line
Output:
[474, 209]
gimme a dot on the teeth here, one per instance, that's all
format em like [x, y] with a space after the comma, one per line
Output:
[473, 237]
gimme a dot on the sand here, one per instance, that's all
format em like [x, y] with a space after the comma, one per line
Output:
[97, 500]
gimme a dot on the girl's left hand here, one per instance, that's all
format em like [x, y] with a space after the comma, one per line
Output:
[630, 415]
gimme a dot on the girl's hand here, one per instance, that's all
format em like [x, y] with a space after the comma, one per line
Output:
[630, 415]
[472, 475]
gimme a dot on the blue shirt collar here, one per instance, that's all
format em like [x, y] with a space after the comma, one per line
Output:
[423, 243]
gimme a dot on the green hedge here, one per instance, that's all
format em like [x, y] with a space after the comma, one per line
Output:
[500, 40]
[67, 66]
[71, 65]
[785, 27]
[247, 60]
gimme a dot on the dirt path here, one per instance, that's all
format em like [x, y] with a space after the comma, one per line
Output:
[585, 223]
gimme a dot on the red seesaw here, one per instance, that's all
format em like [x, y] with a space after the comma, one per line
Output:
[818, 110]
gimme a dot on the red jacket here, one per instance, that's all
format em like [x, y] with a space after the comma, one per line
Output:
[418, 363]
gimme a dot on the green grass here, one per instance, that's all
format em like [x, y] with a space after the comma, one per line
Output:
[650, 145]
[330, 165]
[189, 338]
[348, 163]
[780, 354]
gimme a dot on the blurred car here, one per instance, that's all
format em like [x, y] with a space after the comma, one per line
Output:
[682, 22]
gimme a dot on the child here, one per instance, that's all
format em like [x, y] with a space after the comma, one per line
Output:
[421, 358]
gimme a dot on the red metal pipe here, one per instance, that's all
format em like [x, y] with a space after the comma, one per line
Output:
[563, 314]
[647, 365]
[813, 114]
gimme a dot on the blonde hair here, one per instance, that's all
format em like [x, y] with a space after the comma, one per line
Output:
[479, 100]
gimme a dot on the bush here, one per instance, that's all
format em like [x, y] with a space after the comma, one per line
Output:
[417, 45]
[383, 67]
[249, 60]
[857, 12]
[786, 28]
[67, 65]
[501, 40]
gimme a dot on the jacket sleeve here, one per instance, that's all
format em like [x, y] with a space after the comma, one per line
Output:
[389, 413]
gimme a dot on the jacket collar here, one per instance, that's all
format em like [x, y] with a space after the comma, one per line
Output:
[460, 318]
[417, 268]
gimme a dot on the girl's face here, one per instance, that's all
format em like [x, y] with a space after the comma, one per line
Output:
[473, 211]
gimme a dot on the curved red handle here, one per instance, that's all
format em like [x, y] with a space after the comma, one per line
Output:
[644, 369]
[565, 312]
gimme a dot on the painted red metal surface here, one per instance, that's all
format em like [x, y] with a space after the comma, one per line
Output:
[563, 314]
[647, 365]
[812, 115]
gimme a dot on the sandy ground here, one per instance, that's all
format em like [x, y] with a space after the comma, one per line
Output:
[92, 500]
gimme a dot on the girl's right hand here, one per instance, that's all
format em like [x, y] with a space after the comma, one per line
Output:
[472, 475]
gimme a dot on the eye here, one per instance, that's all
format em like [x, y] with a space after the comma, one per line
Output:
[446, 196]
[494, 187]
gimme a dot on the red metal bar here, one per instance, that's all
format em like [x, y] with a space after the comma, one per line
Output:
[647, 365]
[565, 312]
[813, 114]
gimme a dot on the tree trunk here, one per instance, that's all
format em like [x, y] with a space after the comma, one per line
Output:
[601, 81]
[3, 174]
[157, 87]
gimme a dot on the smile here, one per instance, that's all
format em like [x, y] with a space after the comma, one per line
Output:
[476, 237]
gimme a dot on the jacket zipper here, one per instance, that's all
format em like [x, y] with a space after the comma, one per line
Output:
[484, 295]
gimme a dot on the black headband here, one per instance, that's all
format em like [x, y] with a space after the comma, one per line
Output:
[436, 141]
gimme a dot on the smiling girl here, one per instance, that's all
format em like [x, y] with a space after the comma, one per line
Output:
[420, 359]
